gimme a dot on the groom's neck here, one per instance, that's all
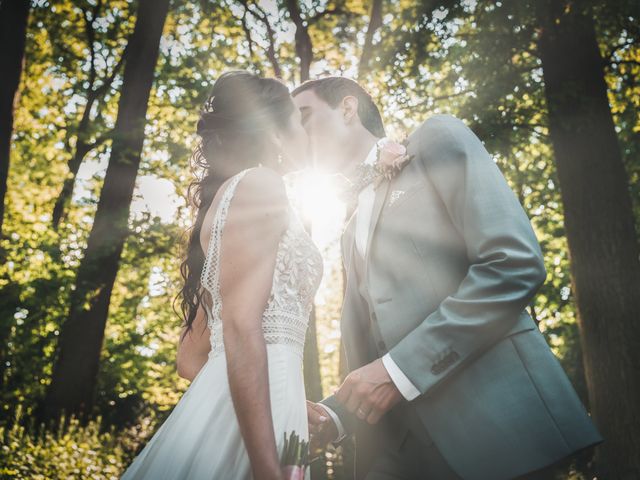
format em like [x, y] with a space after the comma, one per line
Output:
[357, 150]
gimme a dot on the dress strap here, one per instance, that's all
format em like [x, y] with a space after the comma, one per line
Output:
[211, 270]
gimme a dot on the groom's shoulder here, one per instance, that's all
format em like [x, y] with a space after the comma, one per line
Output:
[443, 131]
[439, 123]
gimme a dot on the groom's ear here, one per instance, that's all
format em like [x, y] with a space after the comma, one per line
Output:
[349, 107]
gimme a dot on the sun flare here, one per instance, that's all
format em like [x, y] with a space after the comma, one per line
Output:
[322, 210]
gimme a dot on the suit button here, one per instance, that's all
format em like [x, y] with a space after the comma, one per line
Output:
[381, 345]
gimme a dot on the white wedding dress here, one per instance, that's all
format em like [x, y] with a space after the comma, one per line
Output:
[201, 440]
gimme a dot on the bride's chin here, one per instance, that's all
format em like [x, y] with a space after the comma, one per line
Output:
[273, 165]
[288, 167]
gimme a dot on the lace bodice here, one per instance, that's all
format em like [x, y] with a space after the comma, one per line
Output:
[297, 274]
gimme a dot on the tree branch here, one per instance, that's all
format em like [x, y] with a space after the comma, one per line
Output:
[91, 36]
[440, 98]
[375, 22]
[261, 15]
[247, 32]
[327, 12]
[102, 89]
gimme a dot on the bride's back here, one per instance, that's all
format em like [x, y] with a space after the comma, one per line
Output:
[262, 267]
[246, 121]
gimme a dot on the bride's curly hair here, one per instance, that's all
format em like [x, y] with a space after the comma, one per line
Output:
[234, 129]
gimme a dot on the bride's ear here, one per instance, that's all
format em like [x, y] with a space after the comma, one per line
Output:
[349, 107]
[277, 139]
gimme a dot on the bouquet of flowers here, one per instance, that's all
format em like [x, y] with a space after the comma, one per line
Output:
[295, 457]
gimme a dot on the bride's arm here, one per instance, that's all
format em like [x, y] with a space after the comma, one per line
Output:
[255, 223]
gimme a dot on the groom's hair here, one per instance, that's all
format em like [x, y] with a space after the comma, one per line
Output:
[333, 89]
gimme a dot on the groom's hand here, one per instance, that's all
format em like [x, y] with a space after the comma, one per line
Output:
[321, 427]
[369, 392]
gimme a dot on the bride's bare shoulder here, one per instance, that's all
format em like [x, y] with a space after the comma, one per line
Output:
[262, 187]
[261, 197]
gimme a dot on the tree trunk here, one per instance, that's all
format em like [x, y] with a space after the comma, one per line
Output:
[312, 377]
[375, 22]
[312, 380]
[75, 371]
[304, 47]
[600, 230]
[343, 369]
[13, 29]
[14, 16]
[81, 150]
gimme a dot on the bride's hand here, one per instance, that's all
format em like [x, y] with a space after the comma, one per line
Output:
[321, 426]
[293, 473]
[272, 474]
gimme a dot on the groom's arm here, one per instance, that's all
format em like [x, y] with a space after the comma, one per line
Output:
[401, 381]
[506, 265]
[341, 417]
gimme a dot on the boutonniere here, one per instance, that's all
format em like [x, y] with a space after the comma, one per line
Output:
[391, 158]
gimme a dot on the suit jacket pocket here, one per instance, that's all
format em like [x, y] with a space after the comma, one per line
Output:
[398, 196]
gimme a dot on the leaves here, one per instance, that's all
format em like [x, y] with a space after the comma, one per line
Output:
[474, 59]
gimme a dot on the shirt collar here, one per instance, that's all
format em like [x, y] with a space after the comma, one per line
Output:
[370, 159]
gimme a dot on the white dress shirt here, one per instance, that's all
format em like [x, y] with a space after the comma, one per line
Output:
[363, 221]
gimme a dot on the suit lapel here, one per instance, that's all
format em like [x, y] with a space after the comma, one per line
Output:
[352, 308]
[378, 203]
[348, 243]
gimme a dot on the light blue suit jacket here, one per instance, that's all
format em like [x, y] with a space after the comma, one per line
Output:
[451, 265]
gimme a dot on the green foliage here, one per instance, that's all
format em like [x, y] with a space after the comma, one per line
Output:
[74, 452]
[474, 59]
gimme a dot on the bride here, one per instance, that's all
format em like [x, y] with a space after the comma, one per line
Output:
[251, 272]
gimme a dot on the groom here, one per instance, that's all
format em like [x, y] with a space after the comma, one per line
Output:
[449, 376]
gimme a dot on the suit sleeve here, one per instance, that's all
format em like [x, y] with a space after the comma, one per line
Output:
[347, 419]
[338, 423]
[505, 262]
